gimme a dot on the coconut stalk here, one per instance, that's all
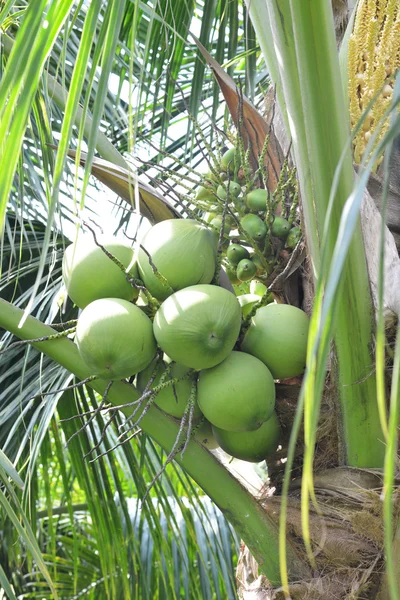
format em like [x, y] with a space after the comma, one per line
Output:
[304, 40]
[253, 524]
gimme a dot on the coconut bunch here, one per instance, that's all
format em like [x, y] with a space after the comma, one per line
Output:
[196, 351]
[254, 225]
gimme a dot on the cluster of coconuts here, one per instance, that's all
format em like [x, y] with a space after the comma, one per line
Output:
[249, 250]
[195, 323]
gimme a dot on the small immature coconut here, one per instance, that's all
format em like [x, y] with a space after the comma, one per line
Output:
[253, 446]
[115, 338]
[280, 227]
[257, 199]
[254, 227]
[89, 274]
[205, 193]
[228, 160]
[183, 251]
[234, 190]
[293, 237]
[246, 270]
[210, 177]
[236, 253]
[238, 394]
[260, 269]
[217, 222]
[278, 337]
[173, 399]
[198, 326]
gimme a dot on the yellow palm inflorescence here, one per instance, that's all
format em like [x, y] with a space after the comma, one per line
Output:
[373, 57]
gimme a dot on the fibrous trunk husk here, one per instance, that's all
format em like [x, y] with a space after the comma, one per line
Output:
[347, 537]
[327, 445]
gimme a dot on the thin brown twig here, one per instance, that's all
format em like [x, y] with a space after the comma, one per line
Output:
[69, 387]
[96, 412]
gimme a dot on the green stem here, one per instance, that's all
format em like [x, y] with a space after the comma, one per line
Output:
[250, 520]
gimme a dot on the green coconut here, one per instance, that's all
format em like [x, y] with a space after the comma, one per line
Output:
[205, 193]
[236, 253]
[246, 270]
[198, 326]
[173, 399]
[260, 269]
[89, 274]
[254, 227]
[247, 301]
[228, 160]
[280, 227]
[217, 222]
[115, 338]
[253, 446]
[240, 206]
[278, 337]
[209, 176]
[183, 251]
[238, 394]
[257, 199]
[234, 190]
[293, 237]
[204, 435]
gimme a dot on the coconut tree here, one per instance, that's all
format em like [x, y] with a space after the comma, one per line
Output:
[334, 479]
